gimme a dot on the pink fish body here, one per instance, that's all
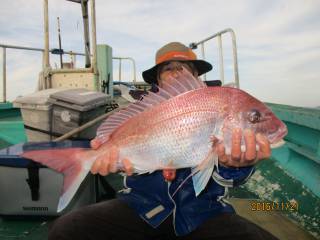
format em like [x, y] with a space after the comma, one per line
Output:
[171, 129]
[177, 132]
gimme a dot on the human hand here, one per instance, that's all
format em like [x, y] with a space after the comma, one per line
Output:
[237, 158]
[108, 162]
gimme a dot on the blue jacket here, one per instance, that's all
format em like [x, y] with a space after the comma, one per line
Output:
[151, 196]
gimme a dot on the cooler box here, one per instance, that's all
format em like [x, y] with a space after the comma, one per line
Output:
[28, 188]
[74, 107]
[36, 114]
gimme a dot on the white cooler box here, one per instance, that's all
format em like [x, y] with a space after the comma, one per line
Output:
[36, 114]
[28, 188]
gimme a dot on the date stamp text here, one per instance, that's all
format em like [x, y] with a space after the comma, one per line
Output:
[274, 206]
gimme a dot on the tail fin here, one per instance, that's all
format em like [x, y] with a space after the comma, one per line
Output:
[67, 161]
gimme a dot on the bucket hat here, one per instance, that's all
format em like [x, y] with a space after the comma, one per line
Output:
[175, 51]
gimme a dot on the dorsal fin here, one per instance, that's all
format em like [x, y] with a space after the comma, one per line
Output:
[183, 82]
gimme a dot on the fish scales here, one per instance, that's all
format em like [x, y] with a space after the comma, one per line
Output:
[170, 133]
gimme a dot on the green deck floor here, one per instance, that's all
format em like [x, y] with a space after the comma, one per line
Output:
[11, 126]
[23, 229]
[271, 183]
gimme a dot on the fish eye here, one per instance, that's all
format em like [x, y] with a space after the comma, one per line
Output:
[254, 116]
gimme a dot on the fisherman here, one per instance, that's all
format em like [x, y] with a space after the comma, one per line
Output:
[146, 207]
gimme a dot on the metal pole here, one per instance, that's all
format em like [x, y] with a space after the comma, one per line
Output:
[234, 51]
[221, 59]
[73, 59]
[120, 70]
[46, 34]
[37, 49]
[84, 7]
[134, 70]
[194, 45]
[4, 74]
[133, 64]
[235, 57]
[59, 37]
[203, 57]
[94, 37]
[202, 51]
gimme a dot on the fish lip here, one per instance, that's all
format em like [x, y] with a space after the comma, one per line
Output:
[279, 137]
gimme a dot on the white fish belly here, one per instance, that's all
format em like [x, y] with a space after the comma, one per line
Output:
[181, 142]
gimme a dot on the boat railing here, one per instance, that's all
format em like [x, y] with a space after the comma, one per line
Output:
[218, 35]
[120, 59]
[4, 48]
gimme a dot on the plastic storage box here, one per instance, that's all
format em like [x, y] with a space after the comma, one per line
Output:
[28, 188]
[74, 107]
[36, 114]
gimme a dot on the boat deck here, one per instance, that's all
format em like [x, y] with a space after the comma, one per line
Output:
[11, 126]
[272, 221]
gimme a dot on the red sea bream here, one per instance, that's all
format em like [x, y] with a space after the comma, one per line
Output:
[173, 128]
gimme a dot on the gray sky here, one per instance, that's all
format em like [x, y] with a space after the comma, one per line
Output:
[278, 41]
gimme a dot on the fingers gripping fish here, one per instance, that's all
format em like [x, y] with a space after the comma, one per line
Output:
[177, 127]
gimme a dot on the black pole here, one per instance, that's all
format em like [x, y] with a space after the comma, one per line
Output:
[60, 49]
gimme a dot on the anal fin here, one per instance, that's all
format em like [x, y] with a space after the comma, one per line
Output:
[202, 174]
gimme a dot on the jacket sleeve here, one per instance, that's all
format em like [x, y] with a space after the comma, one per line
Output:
[231, 177]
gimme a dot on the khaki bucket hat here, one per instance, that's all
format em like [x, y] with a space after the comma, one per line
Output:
[175, 51]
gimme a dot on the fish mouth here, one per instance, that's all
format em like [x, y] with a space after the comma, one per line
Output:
[277, 140]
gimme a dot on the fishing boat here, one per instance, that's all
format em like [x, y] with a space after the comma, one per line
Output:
[282, 196]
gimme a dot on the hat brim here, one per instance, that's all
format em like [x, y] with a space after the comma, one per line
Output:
[150, 75]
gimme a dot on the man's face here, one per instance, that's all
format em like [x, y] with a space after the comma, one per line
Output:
[171, 69]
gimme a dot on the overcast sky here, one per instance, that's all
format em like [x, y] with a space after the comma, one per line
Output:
[278, 41]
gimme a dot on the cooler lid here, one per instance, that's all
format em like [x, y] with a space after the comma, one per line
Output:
[80, 99]
[37, 100]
